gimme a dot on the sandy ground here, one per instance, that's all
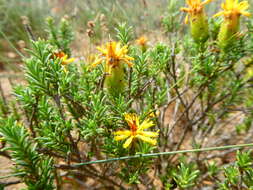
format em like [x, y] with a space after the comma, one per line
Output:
[5, 169]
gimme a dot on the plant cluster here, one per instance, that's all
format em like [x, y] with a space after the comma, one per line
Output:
[21, 16]
[133, 98]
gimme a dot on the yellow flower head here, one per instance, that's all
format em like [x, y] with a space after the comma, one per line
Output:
[229, 29]
[136, 131]
[142, 41]
[233, 9]
[195, 8]
[113, 54]
[64, 58]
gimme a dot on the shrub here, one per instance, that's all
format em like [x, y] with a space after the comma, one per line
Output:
[120, 117]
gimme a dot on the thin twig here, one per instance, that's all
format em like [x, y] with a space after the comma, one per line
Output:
[5, 184]
[57, 100]
[33, 117]
[5, 154]
[75, 166]
[29, 32]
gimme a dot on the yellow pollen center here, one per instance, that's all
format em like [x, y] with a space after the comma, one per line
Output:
[133, 128]
[113, 61]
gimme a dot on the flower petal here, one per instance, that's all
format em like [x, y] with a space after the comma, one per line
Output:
[97, 62]
[70, 60]
[147, 139]
[128, 142]
[244, 13]
[129, 58]
[123, 132]
[219, 14]
[243, 5]
[185, 9]
[120, 137]
[130, 64]
[102, 49]
[132, 119]
[189, 2]
[186, 20]
[206, 2]
[146, 124]
[148, 134]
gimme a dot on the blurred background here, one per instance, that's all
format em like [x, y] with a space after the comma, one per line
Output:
[144, 15]
[152, 18]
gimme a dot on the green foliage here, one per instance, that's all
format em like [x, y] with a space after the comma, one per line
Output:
[187, 93]
[105, 14]
[186, 175]
[244, 160]
[60, 36]
[170, 21]
[35, 169]
[240, 174]
[124, 33]
[213, 169]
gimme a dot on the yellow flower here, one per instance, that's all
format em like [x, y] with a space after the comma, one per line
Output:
[64, 58]
[142, 41]
[153, 113]
[232, 10]
[198, 20]
[195, 7]
[136, 131]
[113, 54]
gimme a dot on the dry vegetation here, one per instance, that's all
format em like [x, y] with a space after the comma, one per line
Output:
[193, 91]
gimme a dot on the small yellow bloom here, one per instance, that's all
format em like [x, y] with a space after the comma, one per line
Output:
[153, 113]
[198, 20]
[142, 41]
[64, 58]
[232, 10]
[136, 131]
[113, 54]
[196, 7]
